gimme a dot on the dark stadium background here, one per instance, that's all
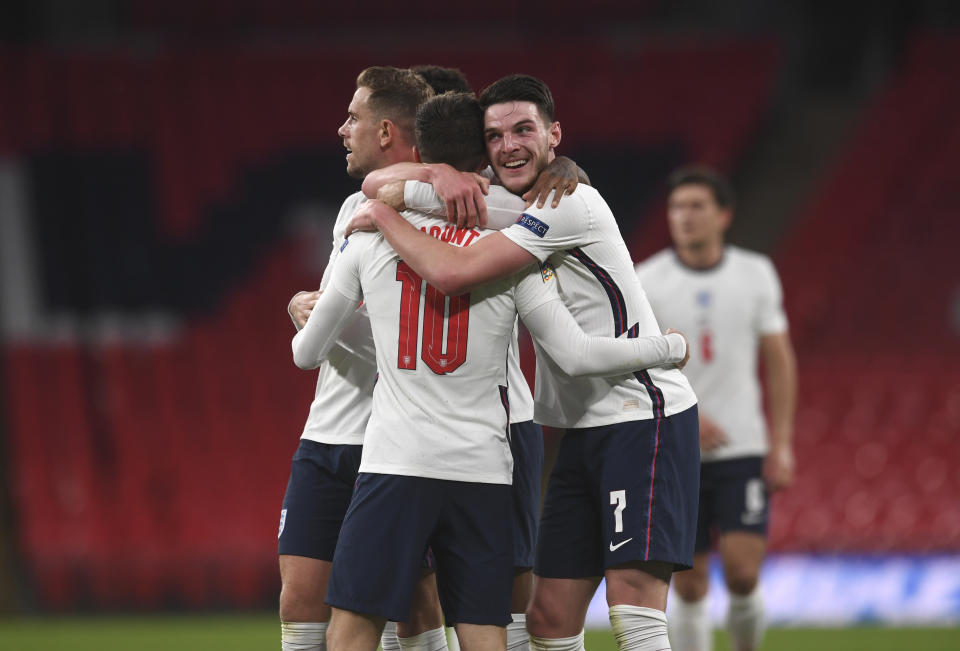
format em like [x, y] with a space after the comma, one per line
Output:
[170, 171]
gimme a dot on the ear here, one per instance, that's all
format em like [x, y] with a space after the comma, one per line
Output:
[416, 155]
[387, 131]
[726, 218]
[554, 132]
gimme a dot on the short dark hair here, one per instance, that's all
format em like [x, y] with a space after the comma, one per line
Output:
[395, 94]
[449, 129]
[697, 175]
[520, 88]
[443, 80]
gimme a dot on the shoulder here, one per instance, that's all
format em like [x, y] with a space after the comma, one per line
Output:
[656, 263]
[575, 212]
[360, 242]
[347, 208]
[750, 261]
[351, 203]
[586, 197]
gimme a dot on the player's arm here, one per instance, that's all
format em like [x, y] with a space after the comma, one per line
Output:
[576, 353]
[780, 365]
[503, 207]
[452, 270]
[560, 177]
[327, 320]
[461, 192]
[712, 435]
[334, 310]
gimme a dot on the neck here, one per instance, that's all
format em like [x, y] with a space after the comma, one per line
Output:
[400, 152]
[702, 255]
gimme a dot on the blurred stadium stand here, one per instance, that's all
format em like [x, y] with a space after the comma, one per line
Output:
[872, 289]
[151, 406]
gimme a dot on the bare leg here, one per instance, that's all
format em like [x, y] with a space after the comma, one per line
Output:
[304, 587]
[742, 554]
[558, 607]
[351, 631]
[639, 584]
[474, 637]
[425, 612]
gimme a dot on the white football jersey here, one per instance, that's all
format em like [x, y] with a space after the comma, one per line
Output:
[598, 285]
[723, 311]
[502, 210]
[342, 401]
[439, 407]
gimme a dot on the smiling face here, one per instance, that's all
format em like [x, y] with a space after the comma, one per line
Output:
[360, 135]
[519, 143]
[695, 217]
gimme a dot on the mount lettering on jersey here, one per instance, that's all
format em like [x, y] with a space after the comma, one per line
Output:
[452, 234]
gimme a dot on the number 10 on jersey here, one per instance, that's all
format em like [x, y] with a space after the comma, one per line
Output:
[438, 310]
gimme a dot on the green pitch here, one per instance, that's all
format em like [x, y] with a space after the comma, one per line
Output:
[262, 632]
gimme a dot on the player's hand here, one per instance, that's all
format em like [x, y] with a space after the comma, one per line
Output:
[779, 468]
[686, 342]
[559, 177]
[362, 220]
[301, 305]
[462, 192]
[711, 436]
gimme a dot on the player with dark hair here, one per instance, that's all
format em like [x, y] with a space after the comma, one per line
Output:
[729, 300]
[378, 132]
[436, 465]
[443, 80]
[629, 459]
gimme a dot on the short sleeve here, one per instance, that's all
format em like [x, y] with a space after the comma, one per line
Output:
[535, 286]
[543, 231]
[771, 317]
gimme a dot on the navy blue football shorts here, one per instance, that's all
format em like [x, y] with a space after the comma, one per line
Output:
[391, 522]
[322, 477]
[733, 497]
[526, 444]
[619, 494]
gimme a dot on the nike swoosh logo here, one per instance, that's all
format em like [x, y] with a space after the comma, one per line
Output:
[614, 548]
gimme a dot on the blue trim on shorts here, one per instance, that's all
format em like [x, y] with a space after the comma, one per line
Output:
[621, 493]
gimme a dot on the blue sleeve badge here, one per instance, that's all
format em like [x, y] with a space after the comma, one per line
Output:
[344, 245]
[533, 224]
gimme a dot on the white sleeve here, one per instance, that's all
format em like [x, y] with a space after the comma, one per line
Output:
[422, 198]
[543, 231]
[346, 213]
[336, 307]
[339, 228]
[576, 353]
[503, 207]
[771, 317]
[329, 317]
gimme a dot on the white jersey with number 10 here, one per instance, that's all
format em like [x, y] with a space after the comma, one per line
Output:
[440, 405]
